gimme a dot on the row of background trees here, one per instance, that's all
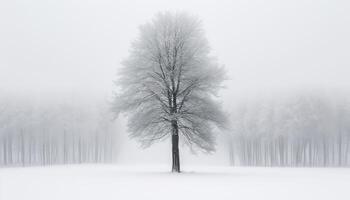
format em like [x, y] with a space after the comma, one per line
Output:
[42, 132]
[298, 128]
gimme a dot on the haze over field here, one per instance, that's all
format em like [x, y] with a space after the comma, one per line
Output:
[72, 50]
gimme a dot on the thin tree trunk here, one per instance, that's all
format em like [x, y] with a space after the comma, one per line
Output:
[175, 147]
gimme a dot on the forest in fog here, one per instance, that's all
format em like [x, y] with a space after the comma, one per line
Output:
[60, 131]
[254, 63]
[296, 128]
[174, 100]
[292, 128]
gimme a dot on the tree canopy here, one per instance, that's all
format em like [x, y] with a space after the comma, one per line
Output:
[169, 81]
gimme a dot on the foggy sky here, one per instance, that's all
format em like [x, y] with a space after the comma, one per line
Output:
[79, 44]
[76, 46]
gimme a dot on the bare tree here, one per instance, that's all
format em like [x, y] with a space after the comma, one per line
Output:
[169, 85]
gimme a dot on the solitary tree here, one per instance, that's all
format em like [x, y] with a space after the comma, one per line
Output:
[169, 85]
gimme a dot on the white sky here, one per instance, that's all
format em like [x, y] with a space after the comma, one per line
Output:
[79, 44]
[49, 46]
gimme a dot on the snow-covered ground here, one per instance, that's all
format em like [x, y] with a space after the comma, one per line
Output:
[104, 182]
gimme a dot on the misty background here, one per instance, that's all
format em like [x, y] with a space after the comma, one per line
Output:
[70, 51]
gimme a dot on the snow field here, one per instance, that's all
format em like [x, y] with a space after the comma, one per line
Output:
[107, 182]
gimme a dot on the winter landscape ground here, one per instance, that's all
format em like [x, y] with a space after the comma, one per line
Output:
[148, 182]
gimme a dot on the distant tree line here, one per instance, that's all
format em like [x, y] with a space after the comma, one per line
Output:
[45, 133]
[301, 129]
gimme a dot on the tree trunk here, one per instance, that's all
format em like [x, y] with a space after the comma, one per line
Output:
[175, 147]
